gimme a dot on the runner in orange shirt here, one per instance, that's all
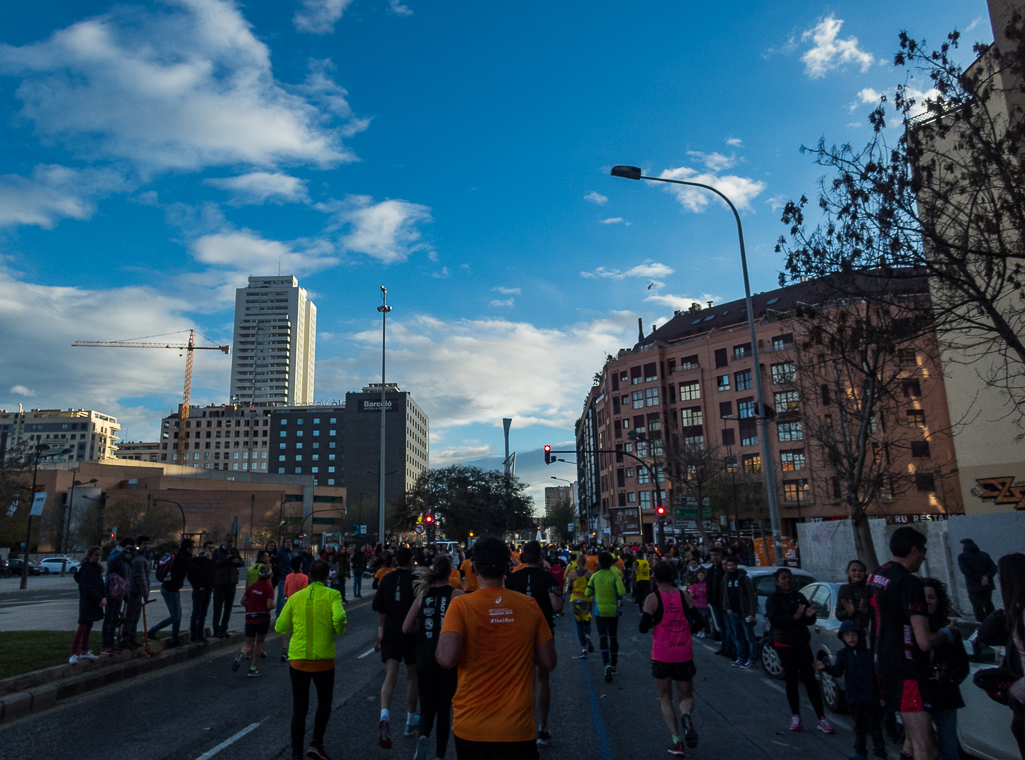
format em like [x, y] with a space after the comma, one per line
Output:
[495, 636]
[466, 570]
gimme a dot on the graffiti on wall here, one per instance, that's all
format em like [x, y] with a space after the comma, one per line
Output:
[1003, 491]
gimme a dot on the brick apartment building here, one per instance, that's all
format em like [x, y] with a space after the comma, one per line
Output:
[689, 383]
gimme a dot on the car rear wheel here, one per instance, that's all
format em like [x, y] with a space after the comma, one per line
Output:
[46, 571]
[771, 662]
[832, 693]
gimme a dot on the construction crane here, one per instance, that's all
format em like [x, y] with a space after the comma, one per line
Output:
[183, 410]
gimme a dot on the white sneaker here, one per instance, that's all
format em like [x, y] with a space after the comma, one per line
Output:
[73, 660]
[88, 656]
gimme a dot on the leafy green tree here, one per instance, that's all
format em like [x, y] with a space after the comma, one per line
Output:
[467, 500]
[559, 517]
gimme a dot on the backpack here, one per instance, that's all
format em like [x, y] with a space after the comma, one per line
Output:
[117, 587]
[163, 571]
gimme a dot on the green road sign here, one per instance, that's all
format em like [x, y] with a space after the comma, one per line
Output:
[685, 512]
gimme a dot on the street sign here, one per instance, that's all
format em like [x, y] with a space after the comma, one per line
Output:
[569, 527]
[419, 529]
[685, 512]
[38, 501]
[363, 529]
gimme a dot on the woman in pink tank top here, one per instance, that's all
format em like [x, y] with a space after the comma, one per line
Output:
[673, 616]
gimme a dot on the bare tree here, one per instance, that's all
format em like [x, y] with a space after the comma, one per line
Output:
[946, 200]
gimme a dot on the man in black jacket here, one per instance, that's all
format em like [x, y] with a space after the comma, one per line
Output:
[227, 561]
[978, 569]
[201, 578]
[715, 575]
[171, 589]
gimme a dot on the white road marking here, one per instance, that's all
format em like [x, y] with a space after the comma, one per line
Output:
[228, 742]
[365, 654]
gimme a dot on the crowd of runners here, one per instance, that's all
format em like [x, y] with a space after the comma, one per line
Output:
[473, 631]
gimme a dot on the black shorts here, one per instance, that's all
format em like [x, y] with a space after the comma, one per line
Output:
[678, 671]
[256, 628]
[402, 648]
[906, 695]
[467, 750]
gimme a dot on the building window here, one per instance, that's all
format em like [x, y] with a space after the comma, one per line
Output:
[919, 449]
[330, 433]
[650, 373]
[925, 482]
[316, 420]
[316, 432]
[916, 418]
[792, 460]
[724, 382]
[693, 443]
[794, 490]
[725, 409]
[282, 433]
[643, 476]
[330, 469]
[728, 437]
[690, 417]
[298, 457]
[645, 499]
[314, 469]
[298, 470]
[298, 433]
[744, 380]
[690, 391]
[742, 351]
[752, 463]
[299, 421]
[786, 401]
[638, 399]
[281, 471]
[783, 373]
[651, 397]
[281, 458]
[782, 341]
[746, 408]
[907, 357]
[790, 431]
[834, 487]
[824, 390]
[911, 388]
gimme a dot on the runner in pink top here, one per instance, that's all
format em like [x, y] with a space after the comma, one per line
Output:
[674, 617]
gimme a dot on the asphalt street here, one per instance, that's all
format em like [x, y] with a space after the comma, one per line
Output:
[201, 710]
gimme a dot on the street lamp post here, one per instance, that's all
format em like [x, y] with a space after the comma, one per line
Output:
[38, 452]
[380, 535]
[633, 172]
[384, 308]
[168, 501]
[66, 523]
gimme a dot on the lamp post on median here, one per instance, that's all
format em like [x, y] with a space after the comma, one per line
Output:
[633, 172]
[66, 527]
[37, 452]
[384, 308]
[168, 501]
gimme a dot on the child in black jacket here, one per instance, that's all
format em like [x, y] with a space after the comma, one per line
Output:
[854, 664]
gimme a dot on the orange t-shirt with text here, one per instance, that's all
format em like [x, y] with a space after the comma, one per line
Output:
[494, 701]
[455, 580]
[591, 563]
[469, 577]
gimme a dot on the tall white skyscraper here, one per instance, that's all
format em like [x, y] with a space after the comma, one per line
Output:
[275, 343]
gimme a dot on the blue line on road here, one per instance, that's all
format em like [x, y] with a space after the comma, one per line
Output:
[599, 723]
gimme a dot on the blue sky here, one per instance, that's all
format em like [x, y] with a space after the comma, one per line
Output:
[156, 154]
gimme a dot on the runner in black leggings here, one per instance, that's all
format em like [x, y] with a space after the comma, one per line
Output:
[606, 586]
[435, 685]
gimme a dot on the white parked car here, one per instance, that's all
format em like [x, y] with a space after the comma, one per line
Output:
[984, 726]
[53, 564]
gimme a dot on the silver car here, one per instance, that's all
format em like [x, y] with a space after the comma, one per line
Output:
[984, 726]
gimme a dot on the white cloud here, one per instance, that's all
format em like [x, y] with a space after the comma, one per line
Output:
[648, 270]
[506, 291]
[777, 202]
[498, 362]
[444, 273]
[262, 187]
[387, 231]
[41, 322]
[596, 198]
[319, 16]
[180, 88]
[612, 220]
[52, 193]
[734, 142]
[828, 53]
[505, 302]
[456, 454]
[714, 161]
[975, 23]
[740, 190]
[399, 9]
[680, 303]
[872, 97]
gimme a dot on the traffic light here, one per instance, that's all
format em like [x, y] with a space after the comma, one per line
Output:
[548, 454]
[429, 519]
[661, 511]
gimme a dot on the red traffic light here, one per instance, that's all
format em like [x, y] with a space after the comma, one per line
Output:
[548, 454]
[429, 518]
[661, 510]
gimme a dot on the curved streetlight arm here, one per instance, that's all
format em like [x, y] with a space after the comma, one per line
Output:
[633, 172]
[168, 501]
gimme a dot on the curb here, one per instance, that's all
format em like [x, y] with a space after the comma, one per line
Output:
[43, 689]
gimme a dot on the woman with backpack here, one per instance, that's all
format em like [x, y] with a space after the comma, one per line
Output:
[91, 601]
[436, 685]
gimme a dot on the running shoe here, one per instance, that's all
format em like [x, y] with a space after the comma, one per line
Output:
[73, 660]
[690, 736]
[590, 646]
[613, 669]
[737, 663]
[748, 665]
[284, 656]
[87, 656]
[254, 673]
[608, 673]
[825, 726]
[795, 722]
[317, 752]
[237, 662]
[423, 748]
[411, 728]
[383, 735]
[677, 749]
[583, 653]
[543, 737]
[108, 650]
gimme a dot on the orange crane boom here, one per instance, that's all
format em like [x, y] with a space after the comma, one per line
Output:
[183, 410]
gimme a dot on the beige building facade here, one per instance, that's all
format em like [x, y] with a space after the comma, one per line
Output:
[91, 435]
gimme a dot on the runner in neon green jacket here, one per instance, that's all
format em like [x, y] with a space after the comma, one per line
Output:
[606, 586]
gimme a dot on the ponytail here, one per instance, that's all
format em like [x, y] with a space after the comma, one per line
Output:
[428, 576]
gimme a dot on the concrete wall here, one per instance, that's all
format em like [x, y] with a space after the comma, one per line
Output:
[996, 534]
